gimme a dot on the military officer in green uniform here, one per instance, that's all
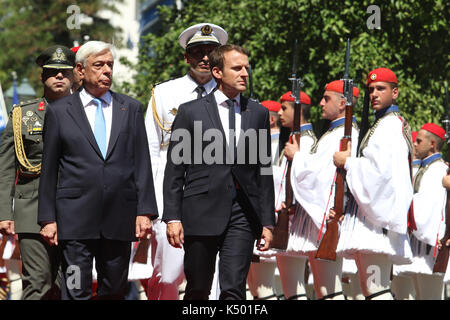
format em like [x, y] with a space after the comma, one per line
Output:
[20, 166]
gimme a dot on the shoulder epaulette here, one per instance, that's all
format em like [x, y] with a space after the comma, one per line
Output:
[157, 84]
[29, 102]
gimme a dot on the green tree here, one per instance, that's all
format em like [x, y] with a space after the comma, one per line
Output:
[27, 27]
[413, 41]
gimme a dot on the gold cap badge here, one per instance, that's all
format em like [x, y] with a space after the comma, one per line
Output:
[206, 30]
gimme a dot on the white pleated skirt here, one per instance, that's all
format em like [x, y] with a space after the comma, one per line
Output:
[423, 260]
[357, 234]
[303, 234]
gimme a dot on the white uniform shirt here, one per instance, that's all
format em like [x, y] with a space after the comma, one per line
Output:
[223, 109]
[168, 96]
[312, 174]
[279, 172]
[380, 180]
[429, 203]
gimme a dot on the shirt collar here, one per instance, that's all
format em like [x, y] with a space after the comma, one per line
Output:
[192, 84]
[339, 122]
[306, 126]
[87, 98]
[221, 97]
[431, 159]
[382, 112]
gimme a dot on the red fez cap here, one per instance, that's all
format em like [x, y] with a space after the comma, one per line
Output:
[272, 105]
[434, 128]
[381, 74]
[338, 86]
[304, 98]
[414, 135]
[75, 49]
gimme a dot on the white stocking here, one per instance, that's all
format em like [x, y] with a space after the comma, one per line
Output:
[429, 286]
[403, 288]
[292, 274]
[262, 280]
[374, 272]
[327, 277]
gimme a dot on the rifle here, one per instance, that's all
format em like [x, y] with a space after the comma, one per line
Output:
[281, 230]
[141, 254]
[328, 245]
[440, 265]
[250, 81]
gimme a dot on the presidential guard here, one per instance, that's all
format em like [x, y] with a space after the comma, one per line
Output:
[429, 207]
[312, 177]
[263, 269]
[20, 167]
[402, 286]
[375, 231]
[198, 41]
[416, 162]
[292, 266]
[446, 185]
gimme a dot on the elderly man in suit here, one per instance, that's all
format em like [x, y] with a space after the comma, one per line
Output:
[221, 200]
[96, 193]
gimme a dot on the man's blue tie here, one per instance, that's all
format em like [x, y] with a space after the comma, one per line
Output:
[100, 127]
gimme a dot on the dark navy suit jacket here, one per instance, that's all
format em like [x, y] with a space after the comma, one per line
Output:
[200, 193]
[87, 195]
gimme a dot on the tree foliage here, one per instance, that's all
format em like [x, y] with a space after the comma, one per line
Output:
[413, 41]
[27, 27]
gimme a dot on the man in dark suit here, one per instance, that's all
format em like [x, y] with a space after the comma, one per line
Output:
[20, 168]
[220, 200]
[96, 192]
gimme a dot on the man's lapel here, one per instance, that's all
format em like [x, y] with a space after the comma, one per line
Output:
[119, 110]
[245, 119]
[245, 113]
[79, 116]
[212, 109]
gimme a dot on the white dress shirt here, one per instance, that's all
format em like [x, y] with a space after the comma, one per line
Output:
[90, 108]
[223, 108]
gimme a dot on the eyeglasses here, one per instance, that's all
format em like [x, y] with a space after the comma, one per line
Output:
[200, 51]
[51, 72]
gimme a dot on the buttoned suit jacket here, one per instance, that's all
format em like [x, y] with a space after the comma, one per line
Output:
[89, 196]
[200, 193]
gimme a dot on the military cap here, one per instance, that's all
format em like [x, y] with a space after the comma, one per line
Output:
[435, 129]
[414, 135]
[56, 57]
[338, 86]
[202, 33]
[304, 98]
[272, 105]
[381, 74]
